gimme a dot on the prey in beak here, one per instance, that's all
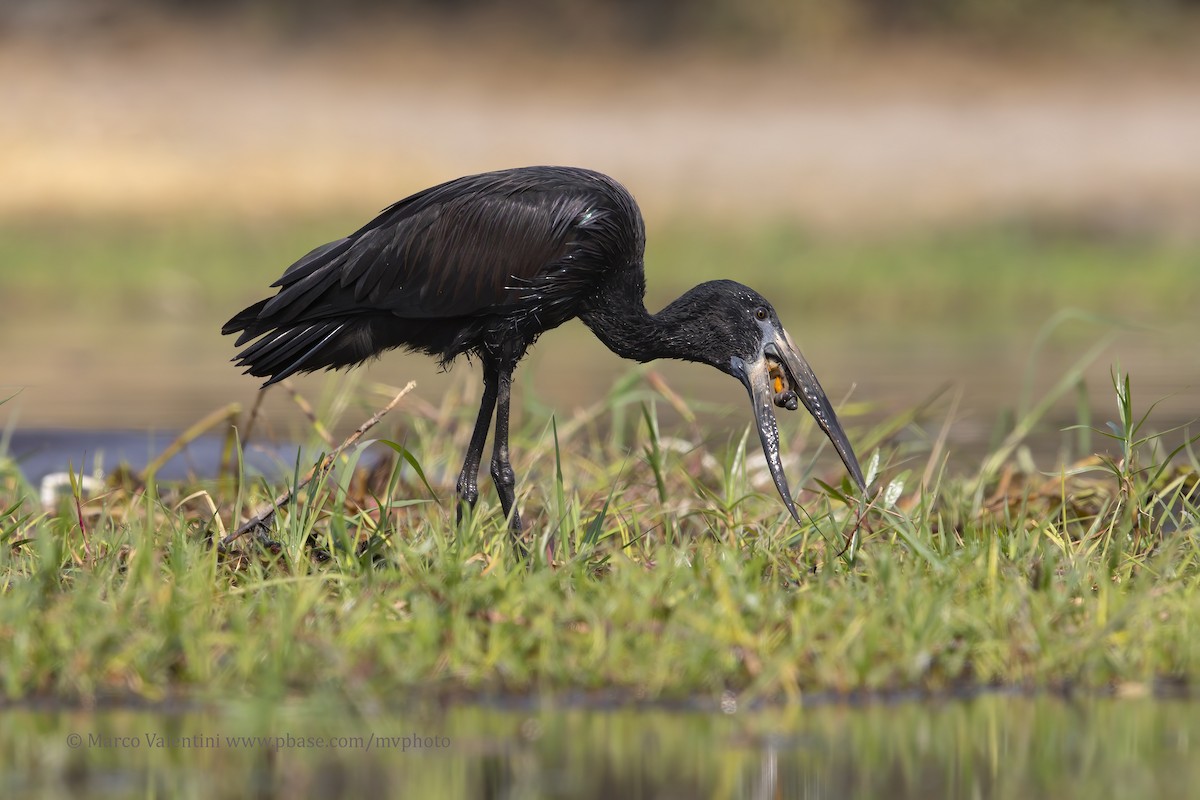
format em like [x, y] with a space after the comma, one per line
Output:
[779, 376]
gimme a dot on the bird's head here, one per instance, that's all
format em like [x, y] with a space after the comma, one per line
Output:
[748, 341]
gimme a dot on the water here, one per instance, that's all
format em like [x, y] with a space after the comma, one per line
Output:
[41, 453]
[992, 746]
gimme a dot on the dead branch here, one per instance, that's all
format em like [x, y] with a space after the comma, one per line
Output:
[261, 520]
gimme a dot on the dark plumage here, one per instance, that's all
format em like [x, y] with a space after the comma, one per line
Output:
[487, 263]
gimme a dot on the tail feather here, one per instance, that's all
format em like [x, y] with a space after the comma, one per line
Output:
[244, 321]
[311, 323]
[283, 353]
[283, 348]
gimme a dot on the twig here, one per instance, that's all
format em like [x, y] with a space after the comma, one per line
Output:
[83, 531]
[863, 508]
[258, 401]
[231, 437]
[225, 414]
[308, 411]
[260, 520]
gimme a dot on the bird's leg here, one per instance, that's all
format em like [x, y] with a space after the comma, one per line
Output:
[468, 480]
[502, 471]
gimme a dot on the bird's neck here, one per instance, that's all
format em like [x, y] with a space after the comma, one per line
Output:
[618, 317]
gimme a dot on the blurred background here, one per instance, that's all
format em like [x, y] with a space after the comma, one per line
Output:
[932, 192]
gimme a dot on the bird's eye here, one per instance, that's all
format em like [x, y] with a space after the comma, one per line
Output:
[761, 313]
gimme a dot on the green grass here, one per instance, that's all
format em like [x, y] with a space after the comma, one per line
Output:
[675, 572]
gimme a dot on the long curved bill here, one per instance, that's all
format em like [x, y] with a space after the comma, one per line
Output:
[779, 376]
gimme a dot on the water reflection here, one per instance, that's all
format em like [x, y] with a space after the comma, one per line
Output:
[993, 746]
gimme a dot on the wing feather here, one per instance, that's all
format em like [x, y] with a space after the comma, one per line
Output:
[468, 261]
[467, 247]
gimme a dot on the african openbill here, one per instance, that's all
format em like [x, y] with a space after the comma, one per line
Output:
[484, 265]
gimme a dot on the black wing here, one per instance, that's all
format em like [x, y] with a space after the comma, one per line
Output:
[514, 242]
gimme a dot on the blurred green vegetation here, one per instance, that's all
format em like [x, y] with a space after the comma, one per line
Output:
[1000, 273]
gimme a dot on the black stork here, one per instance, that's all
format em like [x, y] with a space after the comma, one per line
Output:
[486, 264]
